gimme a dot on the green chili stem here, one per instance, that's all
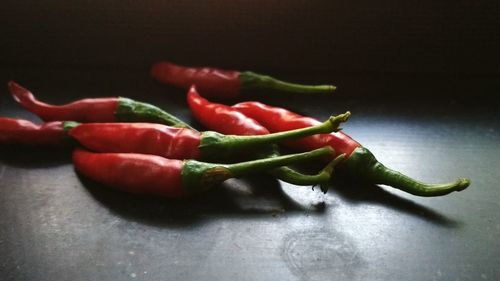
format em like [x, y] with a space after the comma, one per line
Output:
[129, 110]
[251, 80]
[328, 126]
[249, 167]
[215, 145]
[362, 163]
[400, 181]
[291, 176]
[198, 176]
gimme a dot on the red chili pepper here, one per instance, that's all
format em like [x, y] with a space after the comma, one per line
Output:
[222, 118]
[18, 131]
[359, 162]
[110, 109]
[180, 143]
[220, 83]
[155, 175]
[227, 120]
[145, 138]
[278, 119]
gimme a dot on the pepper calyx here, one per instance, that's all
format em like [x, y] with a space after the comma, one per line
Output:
[200, 176]
[129, 110]
[214, 145]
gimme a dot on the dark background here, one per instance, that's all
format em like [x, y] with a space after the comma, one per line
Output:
[420, 77]
[458, 37]
[452, 45]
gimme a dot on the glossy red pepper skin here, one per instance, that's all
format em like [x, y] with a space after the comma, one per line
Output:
[155, 175]
[85, 110]
[145, 138]
[133, 173]
[279, 119]
[225, 119]
[222, 118]
[181, 143]
[212, 81]
[18, 131]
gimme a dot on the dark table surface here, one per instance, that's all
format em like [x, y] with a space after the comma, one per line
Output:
[55, 225]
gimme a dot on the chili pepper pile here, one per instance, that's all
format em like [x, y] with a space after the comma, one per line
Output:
[139, 148]
[151, 149]
[359, 162]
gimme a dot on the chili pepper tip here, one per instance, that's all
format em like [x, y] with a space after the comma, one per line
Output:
[13, 86]
[16, 90]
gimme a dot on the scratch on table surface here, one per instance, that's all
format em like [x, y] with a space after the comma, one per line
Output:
[111, 225]
[320, 254]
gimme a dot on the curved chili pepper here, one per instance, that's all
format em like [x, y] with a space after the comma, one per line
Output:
[279, 119]
[155, 175]
[180, 143]
[227, 120]
[19, 131]
[222, 118]
[110, 109]
[220, 83]
[360, 162]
